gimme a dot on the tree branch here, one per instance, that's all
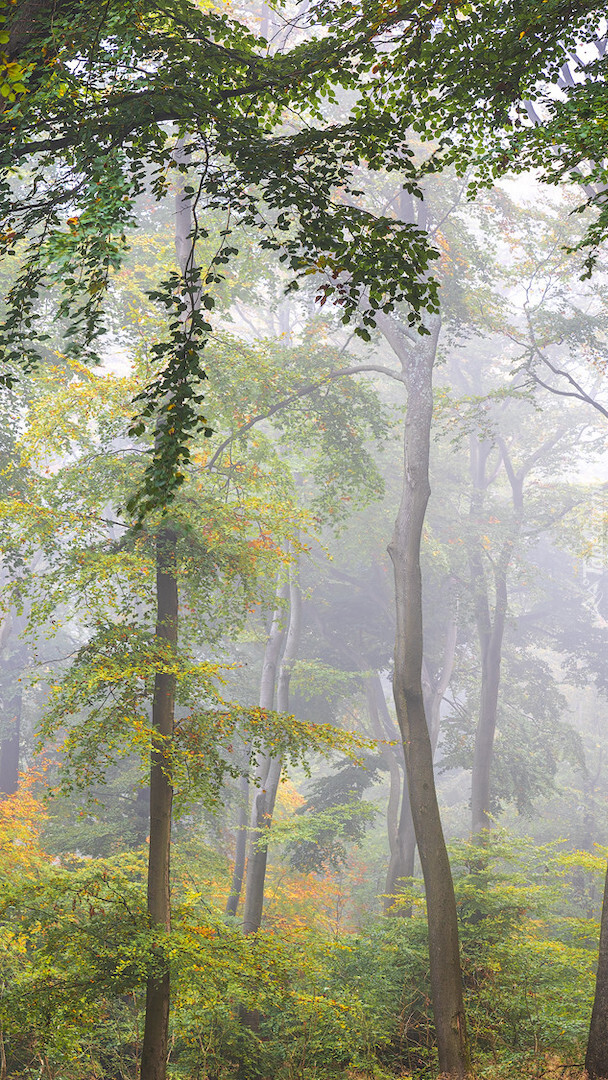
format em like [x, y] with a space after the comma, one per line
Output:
[309, 388]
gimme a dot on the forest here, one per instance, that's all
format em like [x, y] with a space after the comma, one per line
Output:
[303, 540]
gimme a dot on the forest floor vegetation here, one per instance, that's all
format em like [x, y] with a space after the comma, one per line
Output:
[331, 1000]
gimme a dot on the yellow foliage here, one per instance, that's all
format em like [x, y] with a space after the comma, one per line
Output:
[21, 819]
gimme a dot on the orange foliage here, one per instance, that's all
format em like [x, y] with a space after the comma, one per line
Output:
[21, 819]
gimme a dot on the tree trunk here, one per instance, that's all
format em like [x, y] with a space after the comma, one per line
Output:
[400, 827]
[596, 1059]
[401, 863]
[9, 746]
[446, 982]
[434, 690]
[490, 630]
[12, 666]
[255, 873]
[490, 635]
[403, 849]
[265, 797]
[491, 656]
[240, 853]
[156, 1026]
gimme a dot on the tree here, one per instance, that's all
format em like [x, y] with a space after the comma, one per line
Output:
[493, 72]
[446, 982]
[132, 86]
[244, 466]
[270, 765]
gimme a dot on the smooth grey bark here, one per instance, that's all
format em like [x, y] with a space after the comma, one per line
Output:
[270, 771]
[403, 844]
[434, 688]
[400, 825]
[158, 989]
[444, 956]
[9, 746]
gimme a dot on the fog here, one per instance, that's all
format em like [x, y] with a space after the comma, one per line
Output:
[304, 577]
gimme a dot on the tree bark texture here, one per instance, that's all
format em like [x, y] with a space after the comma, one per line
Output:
[271, 767]
[158, 990]
[446, 981]
[596, 1058]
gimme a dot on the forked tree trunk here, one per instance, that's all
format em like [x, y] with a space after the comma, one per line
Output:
[255, 871]
[156, 1025]
[265, 797]
[446, 981]
[596, 1059]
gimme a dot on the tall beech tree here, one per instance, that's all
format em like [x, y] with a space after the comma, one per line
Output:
[404, 549]
[158, 990]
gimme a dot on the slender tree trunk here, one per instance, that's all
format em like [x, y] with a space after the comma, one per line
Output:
[13, 661]
[9, 746]
[596, 1059]
[434, 690]
[265, 797]
[401, 863]
[382, 732]
[272, 653]
[156, 1026]
[403, 848]
[490, 629]
[490, 634]
[240, 852]
[158, 988]
[491, 657]
[446, 981]
[400, 826]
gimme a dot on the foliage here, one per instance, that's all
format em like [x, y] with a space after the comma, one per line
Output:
[175, 86]
[76, 948]
[475, 75]
[334, 813]
[102, 705]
